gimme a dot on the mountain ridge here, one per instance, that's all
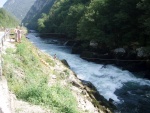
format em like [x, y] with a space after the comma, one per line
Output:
[18, 8]
[36, 11]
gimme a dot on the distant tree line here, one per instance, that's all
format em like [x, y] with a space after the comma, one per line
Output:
[7, 20]
[113, 22]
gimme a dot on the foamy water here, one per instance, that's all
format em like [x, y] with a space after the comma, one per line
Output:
[107, 80]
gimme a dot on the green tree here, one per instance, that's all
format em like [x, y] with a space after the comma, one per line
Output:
[111, 21]
[144, 20]
[41, 22]
[63, 17]
[114, 22]
[93, 22]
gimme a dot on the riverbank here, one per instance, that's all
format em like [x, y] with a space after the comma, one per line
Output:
[108, 80]
[39, 79]
[132, 57]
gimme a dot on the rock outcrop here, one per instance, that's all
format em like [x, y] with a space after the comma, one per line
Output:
[35, 12]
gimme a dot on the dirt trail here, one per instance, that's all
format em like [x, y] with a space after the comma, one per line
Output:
[4, 96]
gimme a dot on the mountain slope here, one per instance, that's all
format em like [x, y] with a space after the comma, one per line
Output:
[7, 20]
[36, 12]
[19, 8]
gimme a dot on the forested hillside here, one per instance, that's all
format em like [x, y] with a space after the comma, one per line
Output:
[63, 17]
[107, 21]
[7, 20]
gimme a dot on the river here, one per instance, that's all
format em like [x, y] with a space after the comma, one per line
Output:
[130, 93]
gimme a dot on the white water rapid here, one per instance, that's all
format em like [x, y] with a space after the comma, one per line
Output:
[107, 80]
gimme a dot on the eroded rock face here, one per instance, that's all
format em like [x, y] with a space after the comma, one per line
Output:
[37, 10]
[94, 94]
[92, 99]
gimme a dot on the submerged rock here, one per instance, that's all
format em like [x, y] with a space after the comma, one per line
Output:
[65, 63]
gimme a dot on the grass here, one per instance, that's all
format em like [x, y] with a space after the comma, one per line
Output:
[28, 78]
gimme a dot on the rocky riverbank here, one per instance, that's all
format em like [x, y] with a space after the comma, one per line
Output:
[57, 73]
[133, 57]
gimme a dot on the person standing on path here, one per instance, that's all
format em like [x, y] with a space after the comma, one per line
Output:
[54, 56]
[19, 34]
[16, 35]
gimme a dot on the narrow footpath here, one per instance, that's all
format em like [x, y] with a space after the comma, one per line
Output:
[5, 104]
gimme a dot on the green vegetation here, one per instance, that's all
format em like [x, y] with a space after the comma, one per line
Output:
[107, 21]
[7, 20]
[28, 77]
[63, 17]
[115, 21]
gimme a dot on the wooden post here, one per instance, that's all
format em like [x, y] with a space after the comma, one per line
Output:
[1, 45]
[2, 39]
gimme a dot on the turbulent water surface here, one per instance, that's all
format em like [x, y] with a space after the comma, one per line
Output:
[130, 94]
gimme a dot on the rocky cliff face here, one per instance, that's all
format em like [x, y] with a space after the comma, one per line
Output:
[28, 11]
[39, 7]
[19, 8]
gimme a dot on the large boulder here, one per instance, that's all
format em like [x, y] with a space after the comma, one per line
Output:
[65, 63]
[119, 53]
[94, 43]
[143, 52]
[119, 50]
